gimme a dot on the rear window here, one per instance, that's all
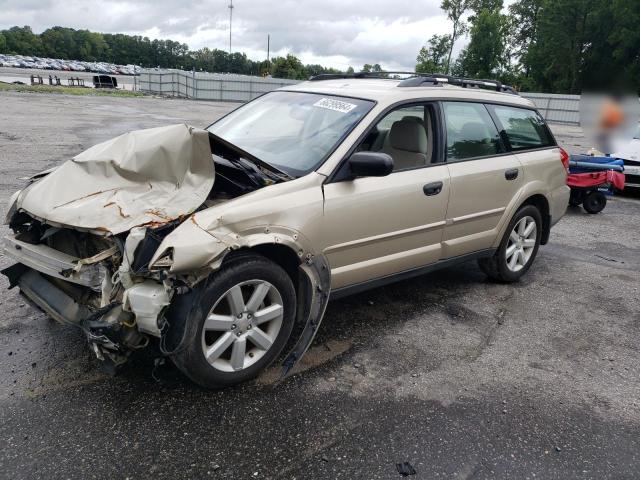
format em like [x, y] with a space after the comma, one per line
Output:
[470, 131]
[525, 128]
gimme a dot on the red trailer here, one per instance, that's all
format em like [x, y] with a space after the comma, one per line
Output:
[593, 178]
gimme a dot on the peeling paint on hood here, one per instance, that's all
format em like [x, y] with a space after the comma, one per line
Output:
[144, 177]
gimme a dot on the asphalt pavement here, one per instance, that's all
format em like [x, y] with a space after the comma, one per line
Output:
[461, 377]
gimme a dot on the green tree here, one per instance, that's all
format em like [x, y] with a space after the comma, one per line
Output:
[455, 10]
[22, 41]
[434, 57]
[484, 56]
[525, 16]
[3, 44]
[563, 41]
[288, 67]
[624, 40]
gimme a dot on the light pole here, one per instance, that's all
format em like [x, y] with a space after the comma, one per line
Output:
[230, 20]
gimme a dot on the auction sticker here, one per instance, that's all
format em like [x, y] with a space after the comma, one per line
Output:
[336, 105]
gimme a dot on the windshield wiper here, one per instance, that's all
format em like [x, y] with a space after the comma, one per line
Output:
[245, 161]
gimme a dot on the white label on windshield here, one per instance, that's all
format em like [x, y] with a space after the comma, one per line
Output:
[336, 105]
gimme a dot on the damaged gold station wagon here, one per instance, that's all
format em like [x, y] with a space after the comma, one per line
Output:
[221, 247]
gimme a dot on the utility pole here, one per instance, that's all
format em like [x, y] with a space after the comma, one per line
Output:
[230, 21]
[268, 42]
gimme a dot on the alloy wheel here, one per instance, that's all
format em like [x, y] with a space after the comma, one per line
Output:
[521, 244]
[242, 325]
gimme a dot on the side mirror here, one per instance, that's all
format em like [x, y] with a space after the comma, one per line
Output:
[370, 164]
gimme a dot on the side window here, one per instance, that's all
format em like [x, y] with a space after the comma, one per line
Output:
[525, 128]
[470, 131]
[404, 134]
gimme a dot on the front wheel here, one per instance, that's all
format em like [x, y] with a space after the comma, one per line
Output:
[246, 316]
[518, 247]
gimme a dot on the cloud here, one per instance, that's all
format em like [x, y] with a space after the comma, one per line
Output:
[330, 32]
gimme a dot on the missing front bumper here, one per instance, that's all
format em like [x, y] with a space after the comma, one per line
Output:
[46, 296]
[54, 263]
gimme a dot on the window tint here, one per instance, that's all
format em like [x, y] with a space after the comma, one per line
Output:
[524, 128]
[402, 134]
[470, 131]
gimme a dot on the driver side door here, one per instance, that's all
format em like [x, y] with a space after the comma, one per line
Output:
[374, 227]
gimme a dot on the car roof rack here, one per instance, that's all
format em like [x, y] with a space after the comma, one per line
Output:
[420, 79]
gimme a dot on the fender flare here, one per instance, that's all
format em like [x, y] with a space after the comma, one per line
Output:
[317, 283]
[315, 278]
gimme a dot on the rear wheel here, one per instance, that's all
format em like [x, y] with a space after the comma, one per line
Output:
[594, 202]
[518, 247]
[247, 314]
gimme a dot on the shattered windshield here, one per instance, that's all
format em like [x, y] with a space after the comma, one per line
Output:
[292, 131]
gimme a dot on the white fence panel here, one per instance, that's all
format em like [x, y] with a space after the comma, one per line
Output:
[564, 109]
[555, 108]
[208, 86]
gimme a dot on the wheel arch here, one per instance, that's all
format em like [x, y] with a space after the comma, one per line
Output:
[542, 204]
[309, 272]
[531, 194]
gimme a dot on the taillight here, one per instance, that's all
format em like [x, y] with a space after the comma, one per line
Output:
[564, 158]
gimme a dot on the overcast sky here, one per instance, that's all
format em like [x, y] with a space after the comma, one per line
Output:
[336, 33]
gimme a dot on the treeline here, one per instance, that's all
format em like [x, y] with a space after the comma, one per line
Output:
[71, 44]
[557, 46]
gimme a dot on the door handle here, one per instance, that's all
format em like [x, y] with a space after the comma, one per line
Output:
[511, 174]
[433, 188]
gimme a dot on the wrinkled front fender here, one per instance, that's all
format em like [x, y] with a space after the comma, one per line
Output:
[198, 251]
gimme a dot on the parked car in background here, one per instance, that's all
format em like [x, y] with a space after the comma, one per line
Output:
[20, 61]
[629, 151]
[222, 246]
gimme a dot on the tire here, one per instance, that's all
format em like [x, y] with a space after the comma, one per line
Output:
[594, 202]
[576, 198]
[223, 334]
[499, 266]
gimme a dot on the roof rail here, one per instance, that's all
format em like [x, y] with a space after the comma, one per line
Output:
[435, 79]
[337, 76]
[419, 79]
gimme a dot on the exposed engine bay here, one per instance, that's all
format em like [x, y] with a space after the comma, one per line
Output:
[84, 234]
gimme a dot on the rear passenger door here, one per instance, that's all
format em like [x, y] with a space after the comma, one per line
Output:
[484, 178]
[531, 141]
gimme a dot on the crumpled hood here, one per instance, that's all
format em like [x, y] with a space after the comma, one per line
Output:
[145, 177]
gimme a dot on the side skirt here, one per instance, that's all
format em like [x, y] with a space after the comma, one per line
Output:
[414, 272]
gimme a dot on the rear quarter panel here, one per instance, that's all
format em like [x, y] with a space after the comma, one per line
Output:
[544, 175]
